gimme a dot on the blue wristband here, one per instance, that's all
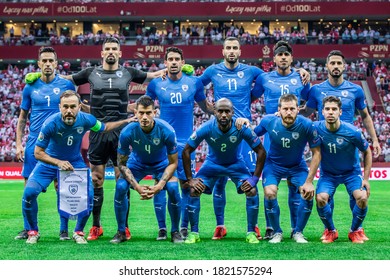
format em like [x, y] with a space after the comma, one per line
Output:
[253, 180]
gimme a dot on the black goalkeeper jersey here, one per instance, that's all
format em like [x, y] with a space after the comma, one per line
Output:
[109, 90]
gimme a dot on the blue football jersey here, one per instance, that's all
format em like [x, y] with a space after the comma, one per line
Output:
[62, 141]
[234, 84]
[224, 148]
[273, 85]
[148, 148]
[288, 144]
[43, 99]
[338, 148]
[351, 95]
[176, 99]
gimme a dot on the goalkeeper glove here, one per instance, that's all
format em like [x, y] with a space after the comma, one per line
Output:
[32, 77]
[188, 69]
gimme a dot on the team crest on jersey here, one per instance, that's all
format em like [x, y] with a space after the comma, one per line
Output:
[80, 129]
[240, 74]
[184, 87]
[156, 141]
[294, 81]
[56, 90]
[193, 136]
[344, 93]
[339, 140]
[73, 188]
[41, 136]
[295, 135]
[119, 74]
[233, 139]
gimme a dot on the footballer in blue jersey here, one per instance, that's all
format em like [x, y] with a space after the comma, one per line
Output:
[289, 134]
[58, 148]
[224, 159]
[41, 100]
[272, 85]
[147, 147]
[339, 165]
[233, 80]
[176, 95]
[352, 99]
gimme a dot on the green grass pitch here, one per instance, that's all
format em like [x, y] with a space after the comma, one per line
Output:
[143, 226]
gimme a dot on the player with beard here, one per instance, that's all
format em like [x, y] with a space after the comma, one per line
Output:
[109, 100]
[272, 85]
[289, 134]
[58, 148]
[352, 99]
[223, 160]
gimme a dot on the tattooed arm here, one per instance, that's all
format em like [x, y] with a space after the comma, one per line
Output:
[128, 175]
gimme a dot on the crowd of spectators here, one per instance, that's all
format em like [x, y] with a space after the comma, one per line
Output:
[212, 34]
[11, 86]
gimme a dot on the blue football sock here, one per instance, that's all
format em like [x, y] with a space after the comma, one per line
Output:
[81, 222]
[30, 204]
[252, 211]
[160, 208]
[193, 212]
[358, 216]
[294, 198]
[326, 216]
[121, 203]
[63, 223]
[304, 212]
[219, 200]
[174, 204]
[273, 212]
[185, 194]
[267, 221]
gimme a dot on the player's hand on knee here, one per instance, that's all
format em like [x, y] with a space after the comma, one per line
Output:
[249, 183]
[197, 185]
[307, 191]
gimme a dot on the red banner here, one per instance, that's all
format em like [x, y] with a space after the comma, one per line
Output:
[205, 10]
[213, 53]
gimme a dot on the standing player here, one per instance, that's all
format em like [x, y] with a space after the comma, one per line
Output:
[233, 80]
[352, 99]
[289, 135]
[147, 147]
[109, 100]
[177, 94]
[58, 147]
[340, 165]
[224, 159]
[42, 100]
[272, 85]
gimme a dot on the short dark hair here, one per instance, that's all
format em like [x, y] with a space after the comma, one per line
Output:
[111, 40]
[69, 93]
[175, 50]
[144, 101]
[331, 98]
[231, 39]
[45, 49]
[335, 53]
[287, 98]
[283, 45]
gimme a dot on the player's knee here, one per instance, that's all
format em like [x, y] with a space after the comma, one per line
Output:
[362, 200]
[97, 180]
[270, 192]
[122, 186]
[322, 199]
[194, 193]
[252, 192]
[31, 191]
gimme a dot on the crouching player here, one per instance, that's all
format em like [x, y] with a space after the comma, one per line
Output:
[58, 148]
